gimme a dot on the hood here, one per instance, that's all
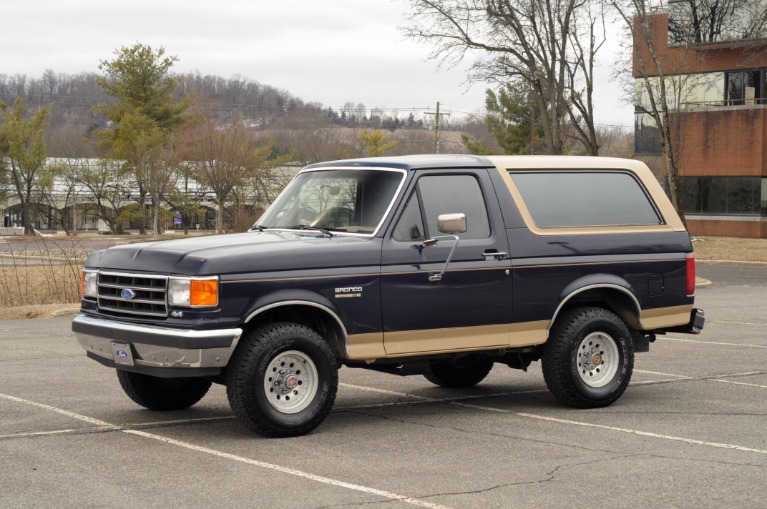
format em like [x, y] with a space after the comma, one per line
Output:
[239, 253]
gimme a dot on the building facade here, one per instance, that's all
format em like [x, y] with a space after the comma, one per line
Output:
[713, 68]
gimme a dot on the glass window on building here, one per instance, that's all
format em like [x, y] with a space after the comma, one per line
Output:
[646, 134]
[724, 195]
[710, 21]
[764, 198]
[682, 91]
[705, 89]
[745, 87]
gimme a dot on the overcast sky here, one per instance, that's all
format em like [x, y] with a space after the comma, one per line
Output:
[326, 51]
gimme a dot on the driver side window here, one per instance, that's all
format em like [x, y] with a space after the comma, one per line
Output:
[443, 194]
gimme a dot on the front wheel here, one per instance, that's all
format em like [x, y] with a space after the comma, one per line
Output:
[282, 380]
[157, 393]
[589, 358]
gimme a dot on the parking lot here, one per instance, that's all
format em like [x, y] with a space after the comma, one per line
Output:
[689, 432]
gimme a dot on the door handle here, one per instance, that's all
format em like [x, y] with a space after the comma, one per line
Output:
[494, 254]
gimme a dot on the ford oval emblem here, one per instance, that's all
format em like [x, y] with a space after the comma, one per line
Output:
[127, 294]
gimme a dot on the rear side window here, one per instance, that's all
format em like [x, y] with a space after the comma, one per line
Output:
[566, 199]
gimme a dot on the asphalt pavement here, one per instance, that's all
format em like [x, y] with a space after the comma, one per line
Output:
[689, 432]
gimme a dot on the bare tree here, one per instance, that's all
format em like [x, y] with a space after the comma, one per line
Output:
[548, 46]
[59, 190]
[311, 137]
[226, 159]
[660, 83]
[187, 196]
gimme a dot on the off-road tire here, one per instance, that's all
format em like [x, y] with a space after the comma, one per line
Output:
[162, 394]
[282, 380]
[589, 358]
[466, 371]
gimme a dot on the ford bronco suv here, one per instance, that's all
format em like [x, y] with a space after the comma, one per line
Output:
[435, 265]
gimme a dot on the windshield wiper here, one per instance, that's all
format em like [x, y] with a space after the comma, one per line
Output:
[324, 231]
[305, 227]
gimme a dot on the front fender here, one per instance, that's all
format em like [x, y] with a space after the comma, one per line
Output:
[292, 297]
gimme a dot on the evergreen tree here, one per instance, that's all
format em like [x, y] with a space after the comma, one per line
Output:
[377, 143]
[23, 155]
[144, 117]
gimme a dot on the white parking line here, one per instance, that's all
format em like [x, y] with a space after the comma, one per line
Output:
[425, 399]
[72, 431]
[739, 345]
[291, 471]
[740, 383]
[739, 323]
[384, 391]
[645, 433]
[580, 423]
[84, 418]
[270, 466]
[681, 377]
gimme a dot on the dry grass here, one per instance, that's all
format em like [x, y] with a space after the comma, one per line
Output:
[28, 285]
[730, 249]
[41, 311]
[39, 277]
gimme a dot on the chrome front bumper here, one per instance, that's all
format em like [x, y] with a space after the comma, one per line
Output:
[151, 349]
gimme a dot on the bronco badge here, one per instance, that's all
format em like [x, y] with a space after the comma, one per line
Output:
[348, 291]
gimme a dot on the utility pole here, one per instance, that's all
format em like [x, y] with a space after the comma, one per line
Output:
[436, 126]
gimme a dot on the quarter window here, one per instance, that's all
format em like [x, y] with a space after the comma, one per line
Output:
[559, 199]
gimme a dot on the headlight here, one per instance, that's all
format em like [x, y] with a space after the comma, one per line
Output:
[193, 291]
[89, 283]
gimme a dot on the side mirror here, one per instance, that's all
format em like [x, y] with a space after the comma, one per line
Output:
[452, 224]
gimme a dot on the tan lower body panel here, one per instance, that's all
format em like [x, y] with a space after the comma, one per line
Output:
[433, 341]
[365, 346]
[484, 337]
[660, 318]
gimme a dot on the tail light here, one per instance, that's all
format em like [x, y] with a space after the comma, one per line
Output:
[690, 271]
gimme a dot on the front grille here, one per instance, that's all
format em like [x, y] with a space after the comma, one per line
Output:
[134, 294]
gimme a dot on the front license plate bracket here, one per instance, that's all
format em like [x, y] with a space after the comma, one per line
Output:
[122, 353]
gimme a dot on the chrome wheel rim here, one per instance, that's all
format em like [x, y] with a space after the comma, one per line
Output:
[598, 359]
[290, 382]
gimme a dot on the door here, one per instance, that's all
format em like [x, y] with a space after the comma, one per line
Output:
[470, 306]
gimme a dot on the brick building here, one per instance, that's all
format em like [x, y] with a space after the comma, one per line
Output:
[715, 71]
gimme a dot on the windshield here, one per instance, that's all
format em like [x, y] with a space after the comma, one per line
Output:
[353, 201]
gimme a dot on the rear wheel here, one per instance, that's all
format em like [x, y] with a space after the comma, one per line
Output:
[282, 380]
[589, 358]
[465, 371]
[157, 393]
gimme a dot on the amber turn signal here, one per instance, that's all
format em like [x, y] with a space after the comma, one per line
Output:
[203, 292]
